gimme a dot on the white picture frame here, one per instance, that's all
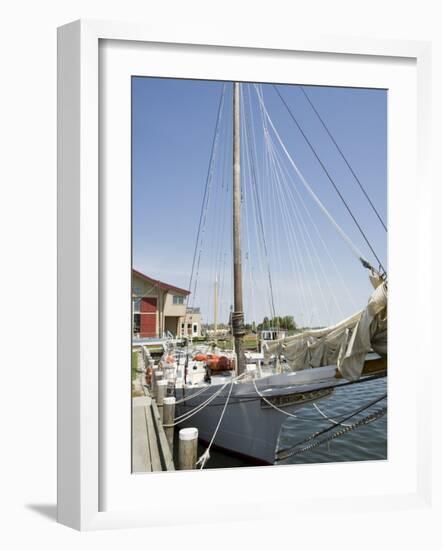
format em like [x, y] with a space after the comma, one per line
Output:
[80, 398]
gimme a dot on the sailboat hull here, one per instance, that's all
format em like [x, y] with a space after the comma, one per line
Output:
[250, 426]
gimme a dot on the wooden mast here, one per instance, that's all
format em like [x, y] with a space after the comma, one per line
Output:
[238, 311]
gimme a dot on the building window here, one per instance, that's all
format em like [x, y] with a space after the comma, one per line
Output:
[137, 323]
[195, 328]
[137, 305]
[178, 300]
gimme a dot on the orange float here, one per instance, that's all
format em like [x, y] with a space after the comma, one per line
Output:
[215, 362]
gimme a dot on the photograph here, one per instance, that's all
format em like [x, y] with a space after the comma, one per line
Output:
[259, 277]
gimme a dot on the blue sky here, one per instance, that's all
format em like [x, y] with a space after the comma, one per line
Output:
[315, 277]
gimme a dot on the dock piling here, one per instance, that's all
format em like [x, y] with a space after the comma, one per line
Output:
[161, 390]
[151, 380]
[157, 376]
[168, 418]
[187, 451]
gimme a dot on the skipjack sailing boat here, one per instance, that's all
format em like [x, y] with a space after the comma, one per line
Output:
[238, 400]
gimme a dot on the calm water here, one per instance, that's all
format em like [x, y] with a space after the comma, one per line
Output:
[366, 443]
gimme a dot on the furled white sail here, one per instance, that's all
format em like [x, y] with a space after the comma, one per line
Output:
[345, 344]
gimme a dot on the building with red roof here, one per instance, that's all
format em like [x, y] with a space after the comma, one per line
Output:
[159, 308]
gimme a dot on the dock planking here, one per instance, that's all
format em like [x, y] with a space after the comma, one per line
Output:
[150, 451]
[141, 457]
[167, 454]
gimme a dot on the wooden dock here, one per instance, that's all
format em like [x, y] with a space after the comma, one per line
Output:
[151, 445]
[150, 449]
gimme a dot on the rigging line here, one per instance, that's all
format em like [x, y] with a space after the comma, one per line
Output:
[206, 209]
[292, 415]
[291, 236]
[292, 233]
[251, 398]
[329, 177]
[327, 173]
[197, 408]
[372, 417]
[276, 164]
[335, 224]
[258, 226]
[265, 299]
[251, 298]
[343, 157]
[206, 455]
[219, 217]
[313, 248]
[207, 188]
[294, 246]
[268, 200]
[361, 258]
[273, 221]
[329, 418]
[222, 253]
[258, 203]
[192, 395]
[290, 189]
[224, 189]
[290, 192]
[273, 201]
[213, 220]
[281, 453]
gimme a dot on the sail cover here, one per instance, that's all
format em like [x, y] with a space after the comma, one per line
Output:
[345, 344]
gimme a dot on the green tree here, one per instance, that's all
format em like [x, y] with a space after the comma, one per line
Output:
[287, 323]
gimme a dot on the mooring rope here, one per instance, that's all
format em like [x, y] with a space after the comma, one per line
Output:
[271, 404]
[199, 392]
[328, 417]
[197, 409]
[206, 455]
[201, 406]
[304, 418]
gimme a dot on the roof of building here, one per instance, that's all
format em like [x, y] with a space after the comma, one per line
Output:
[160, 284]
